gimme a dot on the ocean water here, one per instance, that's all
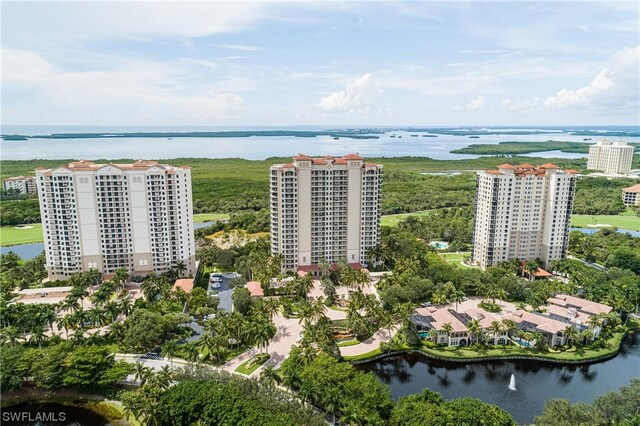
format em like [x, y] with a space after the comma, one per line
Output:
[255, 147]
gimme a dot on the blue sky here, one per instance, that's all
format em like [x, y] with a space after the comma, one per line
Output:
[325, 63]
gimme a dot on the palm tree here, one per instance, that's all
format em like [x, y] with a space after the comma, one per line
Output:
[66, 322]
[271, 308]
[269, 375]
[509, 326]
[120, 278]
[447, 328]
[169, 350]
[263, 332]
[531, 267]
[473, 326]
[142, 373]
[37, 335]
[305, 284]
[324, 266]
[11, 335]
[126, 305]
[329, 289]
[495, 328]
[458, 296]
[180, 269]
[331, 401]
[586, 335]
[571, 334]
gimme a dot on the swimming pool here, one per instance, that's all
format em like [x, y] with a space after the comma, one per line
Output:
[439, 245]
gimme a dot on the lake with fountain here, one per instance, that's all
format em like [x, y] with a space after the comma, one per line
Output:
[534, 382]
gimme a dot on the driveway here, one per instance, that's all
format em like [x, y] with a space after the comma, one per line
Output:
[224, 293]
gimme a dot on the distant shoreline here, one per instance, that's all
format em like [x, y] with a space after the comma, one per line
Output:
[353, 134]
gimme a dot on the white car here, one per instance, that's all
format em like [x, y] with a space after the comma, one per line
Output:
[215, 286]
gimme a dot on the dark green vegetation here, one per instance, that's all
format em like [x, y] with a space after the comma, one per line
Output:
[64, 364]
[14, 138]
[519, 148]
[600, 195]
[612, 249]
[202, 396]
[353, 133]
[419, 275]
[231, 185]
[621, 408]
[16, 212]
[430, 408]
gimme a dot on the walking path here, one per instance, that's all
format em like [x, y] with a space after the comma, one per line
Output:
[371, 343]
[287, 335]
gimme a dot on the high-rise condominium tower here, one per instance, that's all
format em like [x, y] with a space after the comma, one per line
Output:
[522, 212]
[614, 158]
[108, 216]
[324, 209]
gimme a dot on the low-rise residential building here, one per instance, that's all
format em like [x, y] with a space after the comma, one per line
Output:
[631, 195]
[610, 157]
[22, 184]
[450, 325]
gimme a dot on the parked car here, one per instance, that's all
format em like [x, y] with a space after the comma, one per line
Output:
[215, 286]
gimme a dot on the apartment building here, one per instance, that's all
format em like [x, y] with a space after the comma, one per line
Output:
[522, 212]
[23, 184]
[324, 208]
[612, 158]
[108, 216]
[631, 195]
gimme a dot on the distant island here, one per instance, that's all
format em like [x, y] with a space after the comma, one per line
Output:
[14, 138]
[351, 133]
[493, 131]
[517, 148]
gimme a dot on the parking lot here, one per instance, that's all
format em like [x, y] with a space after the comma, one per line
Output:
[225, 292]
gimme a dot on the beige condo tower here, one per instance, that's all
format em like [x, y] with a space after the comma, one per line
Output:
[324, 208]
[522, 212]
[108, 216]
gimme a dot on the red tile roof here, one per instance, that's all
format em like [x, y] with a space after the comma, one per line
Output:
[635, 188]
[506, 166]
[302, 157]
[549, 166]
[184, 283]
[352, 157]
[255, 288]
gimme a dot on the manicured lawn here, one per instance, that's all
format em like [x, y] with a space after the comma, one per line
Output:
[11, 235]
[207, 217]
[348, 343]
[244, 368]
[579, 354]
[625, 222]
[462, 353]
[394, 219]
[456, 258]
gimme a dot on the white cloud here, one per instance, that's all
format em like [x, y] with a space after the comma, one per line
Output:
[23, 23]
[357, 97]
[130, 92]
[615, 85]
[476, 103]
[240, 47]
[522, 104]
